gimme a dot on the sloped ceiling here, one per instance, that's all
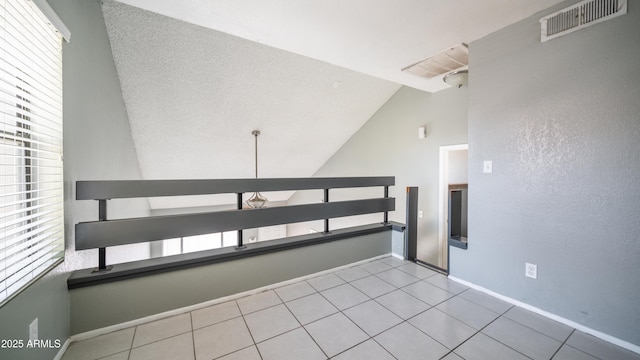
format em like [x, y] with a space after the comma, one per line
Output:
[374, 37]
[193, 96]
[198, 76]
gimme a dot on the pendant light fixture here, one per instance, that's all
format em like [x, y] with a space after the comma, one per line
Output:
[256, 200]
[457, 79]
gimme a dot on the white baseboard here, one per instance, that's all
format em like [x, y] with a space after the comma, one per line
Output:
[186, 309]
[62, 350]
[606, 337]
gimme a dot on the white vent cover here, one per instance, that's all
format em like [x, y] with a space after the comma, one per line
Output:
[442, 63]
[580, 15]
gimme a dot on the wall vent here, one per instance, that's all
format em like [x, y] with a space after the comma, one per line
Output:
[580, 15]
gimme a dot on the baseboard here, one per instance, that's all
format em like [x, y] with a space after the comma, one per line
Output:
[155, 317]
[62, 350]
[603, 336]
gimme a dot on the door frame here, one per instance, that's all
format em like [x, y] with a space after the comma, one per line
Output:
[443, 203]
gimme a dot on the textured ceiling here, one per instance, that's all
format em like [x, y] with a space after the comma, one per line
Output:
[193, 96]
[375, 37]
[197, 76]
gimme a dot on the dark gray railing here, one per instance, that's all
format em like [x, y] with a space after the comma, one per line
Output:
[104, 233]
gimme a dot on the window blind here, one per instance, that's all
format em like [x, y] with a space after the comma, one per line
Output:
[31, 178]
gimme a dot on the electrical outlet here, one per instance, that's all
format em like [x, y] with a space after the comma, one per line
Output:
[531, 270]
[420, 214]
[33, 330]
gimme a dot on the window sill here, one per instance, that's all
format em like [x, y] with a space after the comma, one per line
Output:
[460, 243]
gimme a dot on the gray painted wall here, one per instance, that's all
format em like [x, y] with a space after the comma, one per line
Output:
[136, 298]
[97, 145]
[47, 299]
[388, 144]
[458, 171]
[97, 136]
[560, 122]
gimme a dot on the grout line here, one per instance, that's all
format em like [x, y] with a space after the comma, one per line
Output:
[314, 340]
[160, 340]
[489, 336]
[536, 330]
[403, 320]
[250, 334]
[258, 350]
[140, 321]
[342, 311]
[564, 343]
[193, 335]
[572, 324]
[300, 323]
[244, 348]
[110, 355]
[133, 338]
[354, 323]
[432, 307]
[304, 280]
[315, 291]
[394, 326]
[384, 348]
[478, 331]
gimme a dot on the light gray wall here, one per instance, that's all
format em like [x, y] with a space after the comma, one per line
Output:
[458, 169]
[560, 121]
[388, 144]
[97, 136]
[97, 145]
[132, 299]
[47, 299]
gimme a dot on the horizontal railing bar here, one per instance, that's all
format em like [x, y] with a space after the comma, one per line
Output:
[97, 234]
[85, 277]
[118, 189]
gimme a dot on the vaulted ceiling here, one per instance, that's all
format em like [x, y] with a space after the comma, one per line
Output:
[198, 76]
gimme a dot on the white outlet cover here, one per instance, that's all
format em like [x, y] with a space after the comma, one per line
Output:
[487, 168]
[531, 270]
[33, 330]
[420, 213]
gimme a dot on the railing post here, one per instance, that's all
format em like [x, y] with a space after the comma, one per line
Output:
[102, 252]
[386, 213]
[411, 233]
[326, 221]
[239, 205]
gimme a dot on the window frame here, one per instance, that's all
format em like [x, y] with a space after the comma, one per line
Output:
[32, 238]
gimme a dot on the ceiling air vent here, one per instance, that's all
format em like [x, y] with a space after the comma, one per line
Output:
[580, 15]
[442, 63]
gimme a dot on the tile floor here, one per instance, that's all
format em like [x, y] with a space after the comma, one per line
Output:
[383, 309]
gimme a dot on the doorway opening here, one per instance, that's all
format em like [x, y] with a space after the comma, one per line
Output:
[453, 174]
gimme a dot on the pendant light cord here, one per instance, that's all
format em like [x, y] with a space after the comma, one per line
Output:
[256, 133]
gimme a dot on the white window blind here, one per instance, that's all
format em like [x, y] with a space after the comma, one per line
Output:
[31, 188]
